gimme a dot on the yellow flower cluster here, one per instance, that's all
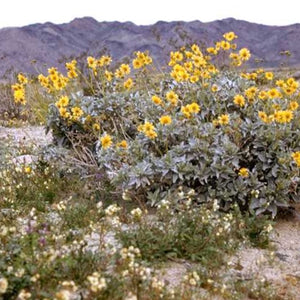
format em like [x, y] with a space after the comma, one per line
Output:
[94, 63]
[142, 59]
[19, 92]
[123, 70]
[62, 102]
[71, 67]
[55, 81]
[280, 116]
[190, 109]
[172, 98]
[148, 129]
[190, 65]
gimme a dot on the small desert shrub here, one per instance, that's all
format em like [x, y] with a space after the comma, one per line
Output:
[229, 135]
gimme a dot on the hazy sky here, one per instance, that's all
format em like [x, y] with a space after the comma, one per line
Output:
[141, 12]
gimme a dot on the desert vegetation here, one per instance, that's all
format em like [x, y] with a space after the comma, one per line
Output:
[148, 165]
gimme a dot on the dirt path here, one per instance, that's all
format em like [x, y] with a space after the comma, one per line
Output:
[30, 134]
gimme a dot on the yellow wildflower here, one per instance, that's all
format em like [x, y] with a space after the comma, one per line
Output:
[172, 97]
[106, 141]
[223, 119]
[77, 111]
[244, 54]
[165, 120]
[156, 100]
[194, 108]
[239, 100]
[269, 75]
[128, 84]
[122, 144]
[244, 172]
[293, 105]
[96, 126]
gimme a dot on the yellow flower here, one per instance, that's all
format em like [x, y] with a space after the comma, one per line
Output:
[19, 96]
[239, 100]
[64, 101]
[263, 116]
[137, 63]
[108, 75]
[151, 134]
[273, 93]
[91, 62]
[251, 92]
[223, 119]
[125, 69]
[148, 126]
[215, 122]
[64, 113]
[119, 73]
[289, 90]
[244, 172]
[211, 50]
[96, 127]
[280, 83]
[283, 116]
[292, 82]
[72, 74]
[288, 114]
[194, 79]
[22, 79]
[77, 111]
[27, 170]
[229, 36]
[105, 60]
[156, 100]
[225, 45]
[244, 54]
[263, 95]
[52, 71]
[293, 105]
[296, 157]
[214, 88]
[195, 48]
[122, 144]
[176, 56]
[165, 120]
[172, 97]
[106, 141]
[128, 84]
[140, 128]
[194, 108]
[269, 75]
[186, 110]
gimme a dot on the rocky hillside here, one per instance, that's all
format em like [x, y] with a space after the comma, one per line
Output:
[49, 43]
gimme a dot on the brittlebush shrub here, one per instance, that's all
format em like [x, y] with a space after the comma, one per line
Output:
[227, 135]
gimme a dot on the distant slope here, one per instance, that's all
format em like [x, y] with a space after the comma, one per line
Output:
[48, 43]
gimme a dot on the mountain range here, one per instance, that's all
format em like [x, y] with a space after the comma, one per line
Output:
[50, 44]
